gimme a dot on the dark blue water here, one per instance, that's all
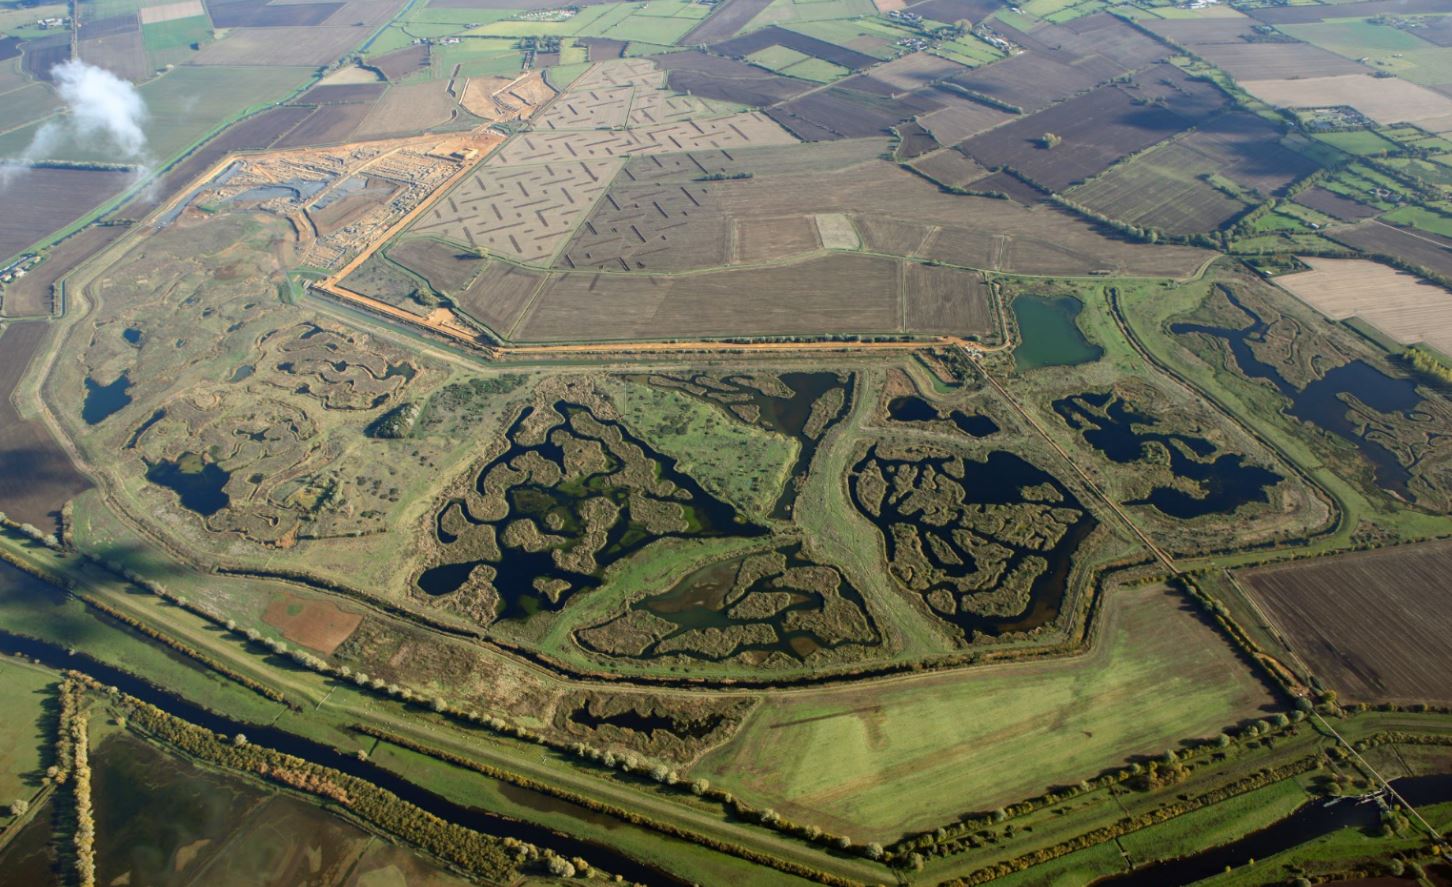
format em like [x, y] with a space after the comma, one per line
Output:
[1113, 428]
[200, 485]
[1001, 479]
[912, 408]
[132, 335]
[104, 401]
[518, 570]
[1322, 403]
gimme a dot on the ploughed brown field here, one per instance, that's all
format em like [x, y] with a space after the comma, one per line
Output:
[41, 200]
[1372, 626]
[36, 475]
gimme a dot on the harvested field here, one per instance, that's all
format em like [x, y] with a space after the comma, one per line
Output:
[651, 226]
[500, 295]
[604, 108]
[36, 475]
[525, 212]
[342, 94]
[1161, 189]
[398, 65]
[599, 49]
[1273, 61]
[41, 200]
[1399, 304]
[110, 26]
[1294, 15]
[43, 54]
[1437, 31]
[170, 12]
[262, 14]
[1032, 81]
[916, 141]
[448, 269]
[654, 106]
[740, 47]
[1248, 149]
[1195, 33]
[946, 300]
[836, 231]
[318, 625]
[1334, 205]
[736, 131]
[1370, 625]
[1096, 130]
[9, 48]
[896, 237]
[713, 77]
[327, 125]
[915, 70]
[990, 735]
[846, 114]
[1379, 239]
[282, 46]
[766, 240]
[1383, 99]
[408, 110]
[838, 293]
[960, 118]
[953, 168]
[1013, 188]
[880, 197]
[950, 11]
[725, 20]
[121, 54]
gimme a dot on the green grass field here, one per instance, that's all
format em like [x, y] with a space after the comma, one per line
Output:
[25, 729]
[179, 115]
[710, 445]
[877, 760]
[176, 33]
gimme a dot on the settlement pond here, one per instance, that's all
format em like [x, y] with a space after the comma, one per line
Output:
[1049, 333]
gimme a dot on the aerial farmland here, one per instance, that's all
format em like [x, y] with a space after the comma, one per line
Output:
[725, 441]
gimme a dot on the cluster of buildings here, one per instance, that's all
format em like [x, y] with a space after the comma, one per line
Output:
[18, 268]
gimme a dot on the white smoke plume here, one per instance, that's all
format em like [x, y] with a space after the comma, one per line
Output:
[103, 112]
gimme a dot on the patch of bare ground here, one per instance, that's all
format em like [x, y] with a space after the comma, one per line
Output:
[1370, 625]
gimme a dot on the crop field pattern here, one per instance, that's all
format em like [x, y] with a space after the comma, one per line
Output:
[728, 441]
[1386, 652]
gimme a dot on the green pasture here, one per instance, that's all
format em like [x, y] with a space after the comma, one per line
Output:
[870, 36]
[179, 113]
[26, 729]
[27, 104]
[876, 760]
[1423, 219]
[737, 461]
[176, 34]
[1360, 142]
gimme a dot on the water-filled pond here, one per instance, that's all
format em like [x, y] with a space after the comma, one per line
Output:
[104, 401]
[1323, 402]
[201, 485]
[924, 530]
[559, 509]
[1114, 428]
[912, 408]
[1049, 333]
